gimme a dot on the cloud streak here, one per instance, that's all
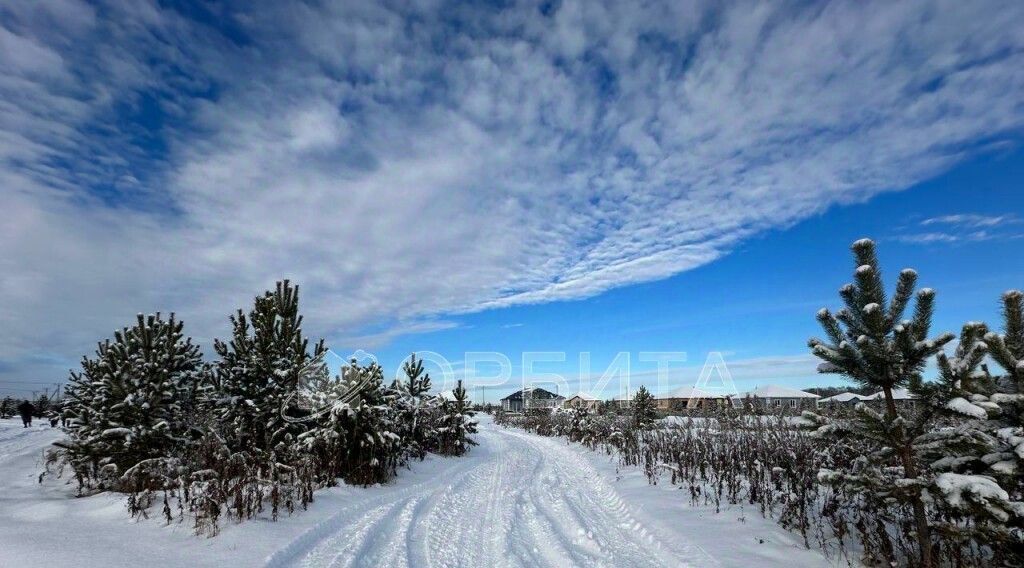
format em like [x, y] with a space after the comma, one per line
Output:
[404, 164]
[962, 228]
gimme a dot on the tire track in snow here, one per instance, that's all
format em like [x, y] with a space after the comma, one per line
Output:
[517, 499]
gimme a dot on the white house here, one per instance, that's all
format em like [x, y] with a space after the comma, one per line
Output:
[775, 396]
[842, 399]
[902, 397]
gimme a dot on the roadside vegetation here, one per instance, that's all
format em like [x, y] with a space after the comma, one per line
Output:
[936, 484]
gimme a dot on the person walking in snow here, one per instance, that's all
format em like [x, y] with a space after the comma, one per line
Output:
[26, 409]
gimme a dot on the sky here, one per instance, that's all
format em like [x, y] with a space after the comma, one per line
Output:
[597, 177]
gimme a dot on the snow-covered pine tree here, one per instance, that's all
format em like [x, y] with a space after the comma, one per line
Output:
[869, 342]
[415, 407]
[126, 403]
[456, 424]
[260, 370]
[643, 408]
[976, 487]
[373, 444]
[1007, 394]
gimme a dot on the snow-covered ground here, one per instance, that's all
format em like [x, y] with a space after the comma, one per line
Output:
[516, 499]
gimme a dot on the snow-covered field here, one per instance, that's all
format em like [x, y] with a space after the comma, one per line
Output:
[516, 499]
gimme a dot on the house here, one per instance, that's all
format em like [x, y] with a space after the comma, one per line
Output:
[531, 398]
[842, 399]
[902, 397]
[774, 396]
[688, 397]
[447, 396]
[623, 400]
[581, 400]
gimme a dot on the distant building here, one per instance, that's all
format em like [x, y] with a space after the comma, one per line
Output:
[623, 400]
[684, 398]
[581, 400]
[902, 397]
[448, 395]
[774, 396]
[842, 399]
[531, 398]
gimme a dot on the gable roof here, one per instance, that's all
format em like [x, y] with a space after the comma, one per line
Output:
[897, 394]
[687, 392]
[534, 393]
[775, 391]
[582, 396]
[844, 397]
[448, 395]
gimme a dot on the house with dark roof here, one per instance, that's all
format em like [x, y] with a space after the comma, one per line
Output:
[530, 398]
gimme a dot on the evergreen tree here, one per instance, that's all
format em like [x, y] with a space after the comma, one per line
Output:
[977, 451]
[374, 445]
[126, 403]
[456, 424]
[260, 370]
[7, 407]
[42, 405]
[415, 407]
[644, 409]
[871, 343]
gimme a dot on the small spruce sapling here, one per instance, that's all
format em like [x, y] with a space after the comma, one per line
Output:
[644, 409]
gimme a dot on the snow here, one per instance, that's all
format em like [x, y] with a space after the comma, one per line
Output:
[961, 490]
[687, 392]
[843, 397]
[448, 395]
[829, 368]
[582, 395]
[964, 407]
[516, 499]
[776, 391]
[897, 394]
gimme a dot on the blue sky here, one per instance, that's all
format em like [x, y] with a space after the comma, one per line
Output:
[757, 305]
[577, 176]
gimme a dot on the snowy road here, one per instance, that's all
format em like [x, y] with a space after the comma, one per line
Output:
[517, 500]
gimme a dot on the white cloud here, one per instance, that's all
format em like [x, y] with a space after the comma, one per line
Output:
[961, 228]
[407, 164]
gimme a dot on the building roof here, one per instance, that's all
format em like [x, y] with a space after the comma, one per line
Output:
[844, 397]
[534, 393]
[687, 393]
[582, 396]
[448, 395]
[775, 391]
[897, 394]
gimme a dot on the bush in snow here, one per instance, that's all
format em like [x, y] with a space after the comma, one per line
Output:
[129, 404]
